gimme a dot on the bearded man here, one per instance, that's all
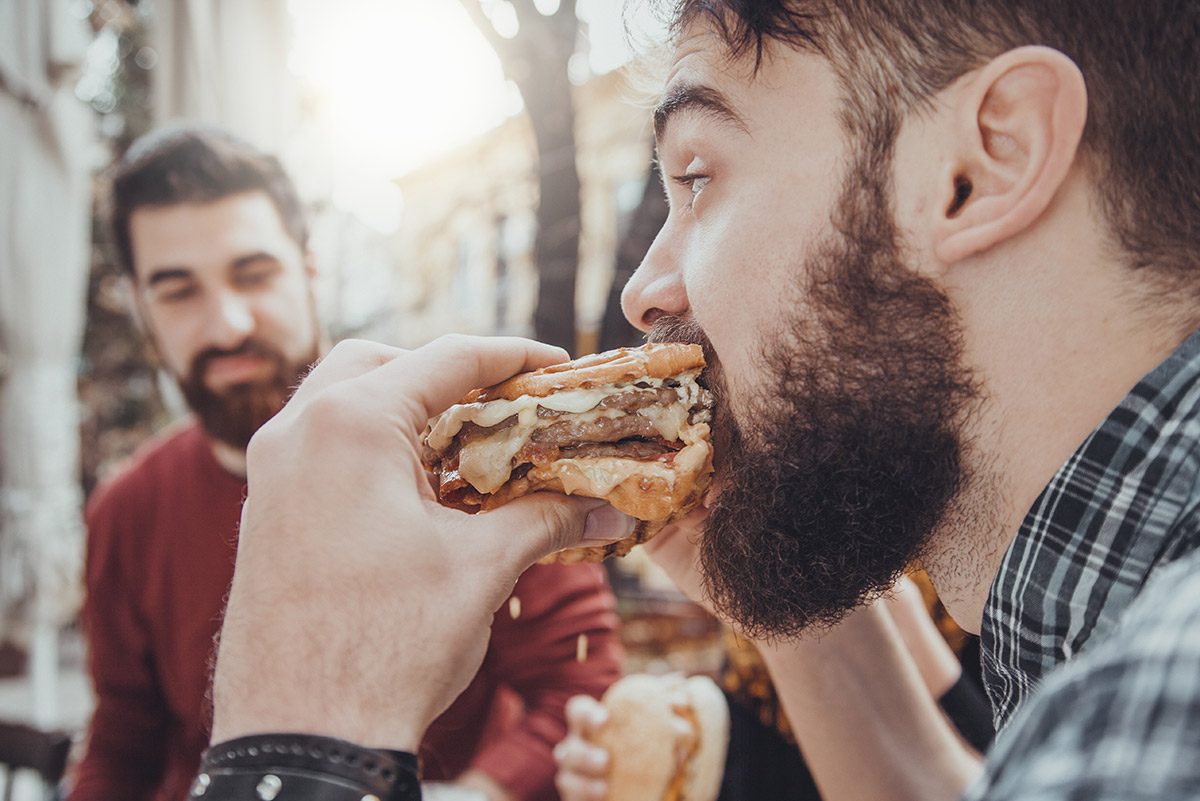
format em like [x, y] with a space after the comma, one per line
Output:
[944, 256]
[214, 240]
[981, 228]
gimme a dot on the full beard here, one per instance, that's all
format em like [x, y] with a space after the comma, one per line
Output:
[835, 476]
[234, 414]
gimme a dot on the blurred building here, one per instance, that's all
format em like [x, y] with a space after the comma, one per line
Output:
[467, 231]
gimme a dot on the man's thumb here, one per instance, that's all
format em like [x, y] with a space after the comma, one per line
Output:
[540, 524]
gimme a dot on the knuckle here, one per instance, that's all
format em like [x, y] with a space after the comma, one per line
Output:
[266, 441]
[332, 410]
[460, 349]
[454, 343]
[560, 522]
[344, 350]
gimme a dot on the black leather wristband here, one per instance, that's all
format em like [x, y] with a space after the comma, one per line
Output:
[302, 767]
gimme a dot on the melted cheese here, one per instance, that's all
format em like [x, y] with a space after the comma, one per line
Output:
[444, 427]
[668, 420]
[601, 475]
[486, 463]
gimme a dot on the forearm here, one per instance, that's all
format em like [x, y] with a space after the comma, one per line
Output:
[866, 723]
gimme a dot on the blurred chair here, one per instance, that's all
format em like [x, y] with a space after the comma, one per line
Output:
[43, 753]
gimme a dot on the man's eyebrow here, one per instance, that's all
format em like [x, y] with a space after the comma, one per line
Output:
[251, 258]
[160, 274]
[696, 98]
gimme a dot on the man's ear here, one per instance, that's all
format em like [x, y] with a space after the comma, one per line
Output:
[1018, 122]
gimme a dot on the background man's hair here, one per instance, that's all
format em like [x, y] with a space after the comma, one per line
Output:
[196, 165]
[1140, 59]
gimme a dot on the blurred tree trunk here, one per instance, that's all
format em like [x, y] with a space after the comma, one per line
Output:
[648, 218]
[536, 61]
[117, 378]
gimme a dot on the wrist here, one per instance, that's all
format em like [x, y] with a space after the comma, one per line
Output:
[235, 726]
[291, 701]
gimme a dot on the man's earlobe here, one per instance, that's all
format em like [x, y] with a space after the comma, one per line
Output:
[1019, 121]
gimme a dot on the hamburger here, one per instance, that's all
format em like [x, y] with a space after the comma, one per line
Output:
[666, 738]
[630, 426]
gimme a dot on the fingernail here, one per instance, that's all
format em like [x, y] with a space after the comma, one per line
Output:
[606, 524]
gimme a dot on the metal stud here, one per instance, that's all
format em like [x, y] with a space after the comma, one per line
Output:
[269, 787]
[200, 786]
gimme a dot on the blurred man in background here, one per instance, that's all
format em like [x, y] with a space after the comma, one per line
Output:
[214, 239]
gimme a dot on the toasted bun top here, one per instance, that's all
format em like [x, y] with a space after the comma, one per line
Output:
[658, 360]
[641, 739]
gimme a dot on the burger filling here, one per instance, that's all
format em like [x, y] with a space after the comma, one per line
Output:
[608, 433]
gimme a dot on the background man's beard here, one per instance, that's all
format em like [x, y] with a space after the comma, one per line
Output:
[234, 414]
[833, 477]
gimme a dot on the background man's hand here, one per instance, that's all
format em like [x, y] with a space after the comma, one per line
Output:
[360, 608]
[582, 765]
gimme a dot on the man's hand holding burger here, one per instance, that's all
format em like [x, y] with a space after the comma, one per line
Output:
[360, 607]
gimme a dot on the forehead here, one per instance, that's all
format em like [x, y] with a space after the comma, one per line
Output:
[783, 89]
[199, 235]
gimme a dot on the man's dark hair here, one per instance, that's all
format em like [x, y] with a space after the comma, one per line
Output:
[1140, 59]
[196, 165]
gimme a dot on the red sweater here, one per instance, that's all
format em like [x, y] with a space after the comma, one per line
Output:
[161, 545]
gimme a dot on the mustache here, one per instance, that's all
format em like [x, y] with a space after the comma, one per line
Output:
[249, 347]
[673, 328]
[685, 330]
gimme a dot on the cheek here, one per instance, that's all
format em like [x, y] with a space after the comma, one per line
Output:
[177, 344]
[742, 293]
[286, 318]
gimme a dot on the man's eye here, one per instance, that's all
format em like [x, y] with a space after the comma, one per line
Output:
[694, 182]
[254, 278]
[257, 274]
[175, 294]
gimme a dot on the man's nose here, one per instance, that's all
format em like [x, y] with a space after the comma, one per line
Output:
[231, 320]
[656, 288]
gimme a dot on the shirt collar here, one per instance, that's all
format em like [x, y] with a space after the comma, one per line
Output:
[1123, 504]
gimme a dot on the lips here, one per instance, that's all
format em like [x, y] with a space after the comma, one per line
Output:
[224, 371]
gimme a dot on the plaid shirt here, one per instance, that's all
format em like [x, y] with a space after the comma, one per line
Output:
[1121, 722]
[1074, 580]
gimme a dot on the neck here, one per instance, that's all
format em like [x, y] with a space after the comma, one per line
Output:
[1064, 339]
[231, 458]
